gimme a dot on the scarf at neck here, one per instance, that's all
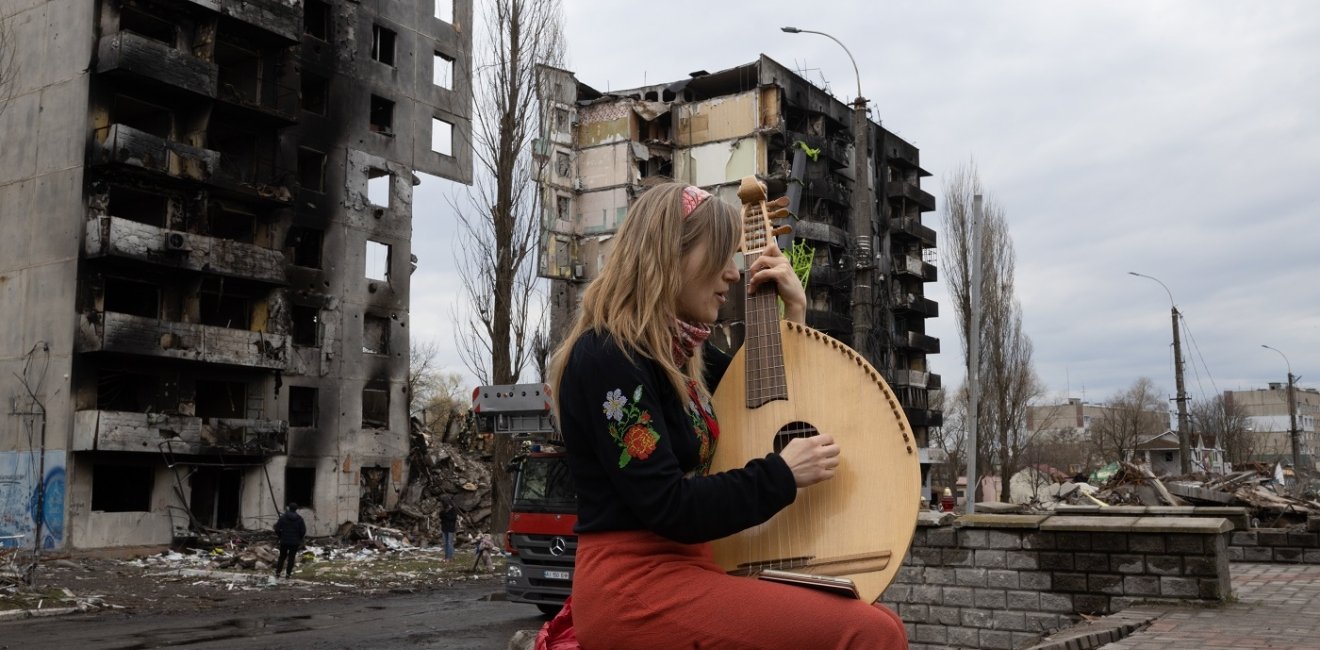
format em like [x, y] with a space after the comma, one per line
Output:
[687, 336]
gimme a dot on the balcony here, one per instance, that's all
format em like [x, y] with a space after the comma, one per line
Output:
[279, 18]
[175, 434]
[908, 265]
[919, 417]
[821, 232]
[918, 341]
[912, 302]
[915, 378]
[119, 237]
[904, 190]
[120, 144]
[911, 227]
[830, 323]
[128, 334]
[253, 176]
[128, 54]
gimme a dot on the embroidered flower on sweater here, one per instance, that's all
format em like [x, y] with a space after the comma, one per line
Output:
[631, 426]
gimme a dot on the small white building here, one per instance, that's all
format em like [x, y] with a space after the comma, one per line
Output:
[1161, 454]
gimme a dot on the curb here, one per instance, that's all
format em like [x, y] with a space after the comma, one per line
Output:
[1093, 634]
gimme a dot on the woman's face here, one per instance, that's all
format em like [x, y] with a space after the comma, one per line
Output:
[703, 292]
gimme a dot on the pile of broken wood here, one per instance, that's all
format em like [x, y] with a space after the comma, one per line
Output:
[1256, 489]
[439, 471]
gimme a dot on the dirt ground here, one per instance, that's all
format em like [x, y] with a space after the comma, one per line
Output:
[161, 581]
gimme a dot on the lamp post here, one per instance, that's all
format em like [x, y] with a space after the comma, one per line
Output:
[1293, 434]
[1183, 447]
[860, 225]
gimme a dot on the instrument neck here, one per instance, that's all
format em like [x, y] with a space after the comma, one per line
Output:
[762, 348]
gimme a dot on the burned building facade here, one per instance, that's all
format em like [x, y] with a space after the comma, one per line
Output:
[205, 274]
[598, 151]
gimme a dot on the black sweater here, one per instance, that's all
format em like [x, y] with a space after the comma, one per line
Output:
[636, 452]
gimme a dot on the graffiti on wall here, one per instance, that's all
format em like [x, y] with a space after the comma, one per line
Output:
[22, 504]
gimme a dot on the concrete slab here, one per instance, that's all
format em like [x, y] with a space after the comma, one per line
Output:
[979, 520]
[1100, 524]
[1193, 525]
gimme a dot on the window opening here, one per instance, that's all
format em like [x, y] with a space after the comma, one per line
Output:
[382, 115]
[304, 246]
[382, 45]
[214, 498]
[230, 223]
[239, 73]
[143, 116]
[122, 488]
[375, 335]
[132, 297]
[444, 10]
[142, 207]
[143, 24]
[306, 326]
[126, 391]
[376, 405]
[221, 308]
[443, 74]
[302, 409]
[442, 137]
[378, 261]
[315, 96]
[220, 399]
[316, 19]
[299, 485]
[378, 187]
[311, 169]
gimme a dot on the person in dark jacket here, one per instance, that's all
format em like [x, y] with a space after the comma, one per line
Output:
[448, 527]
[290, 529]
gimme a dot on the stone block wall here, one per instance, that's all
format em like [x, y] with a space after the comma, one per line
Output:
[1004, 581]
[1281, 545]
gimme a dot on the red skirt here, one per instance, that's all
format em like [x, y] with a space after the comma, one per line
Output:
[635, 590]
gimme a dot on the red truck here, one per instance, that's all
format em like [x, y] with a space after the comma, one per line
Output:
[540, 539]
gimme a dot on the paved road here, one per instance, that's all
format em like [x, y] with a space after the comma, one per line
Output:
[454, 620]
[1278, 606]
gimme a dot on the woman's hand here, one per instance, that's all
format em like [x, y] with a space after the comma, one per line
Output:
[772, 267]
[811, 460]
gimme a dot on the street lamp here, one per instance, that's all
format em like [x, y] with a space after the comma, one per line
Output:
[1293, 434]
[1183, 428]
[860, 225]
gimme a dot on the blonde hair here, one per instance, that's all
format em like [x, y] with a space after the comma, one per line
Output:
[636, 294]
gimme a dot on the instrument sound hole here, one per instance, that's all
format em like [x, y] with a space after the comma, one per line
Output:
[793, 430]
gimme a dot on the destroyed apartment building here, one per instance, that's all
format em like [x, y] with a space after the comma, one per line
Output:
[204, 278]
[600, 150]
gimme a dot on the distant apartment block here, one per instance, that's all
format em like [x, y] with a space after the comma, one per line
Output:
[600, 150]
[1268, 422]
[204, 278]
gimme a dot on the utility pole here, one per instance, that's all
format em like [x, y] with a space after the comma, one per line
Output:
[1294, 435]
[1184, 430]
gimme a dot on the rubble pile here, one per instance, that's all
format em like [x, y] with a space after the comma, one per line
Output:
[1260, 490]
[439, 471]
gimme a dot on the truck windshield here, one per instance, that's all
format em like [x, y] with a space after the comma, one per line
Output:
[545, 485]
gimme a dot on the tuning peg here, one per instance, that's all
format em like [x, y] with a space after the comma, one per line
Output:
[782, 230]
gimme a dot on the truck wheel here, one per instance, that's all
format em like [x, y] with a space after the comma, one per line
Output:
[549, 610]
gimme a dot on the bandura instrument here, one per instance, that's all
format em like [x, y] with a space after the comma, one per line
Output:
[789, 380]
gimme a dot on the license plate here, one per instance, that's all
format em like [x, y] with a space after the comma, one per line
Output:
[557, 575]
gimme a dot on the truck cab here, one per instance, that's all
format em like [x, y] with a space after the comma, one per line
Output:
[540, 540]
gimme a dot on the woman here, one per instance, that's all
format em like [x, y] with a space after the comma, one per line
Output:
[633, 400]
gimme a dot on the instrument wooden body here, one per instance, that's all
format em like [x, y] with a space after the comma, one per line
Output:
[857, 525]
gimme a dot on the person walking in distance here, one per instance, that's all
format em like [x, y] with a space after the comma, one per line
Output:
[290, 529]
[448, 528]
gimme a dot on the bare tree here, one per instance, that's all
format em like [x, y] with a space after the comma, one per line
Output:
[1008, 383]
[436, 398]
[1225, 420]
[1129, 417]
[950, 437]
[501, 220]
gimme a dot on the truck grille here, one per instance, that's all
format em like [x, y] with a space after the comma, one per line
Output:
[545, 550]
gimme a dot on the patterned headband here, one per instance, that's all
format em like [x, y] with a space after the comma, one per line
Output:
[692, 197]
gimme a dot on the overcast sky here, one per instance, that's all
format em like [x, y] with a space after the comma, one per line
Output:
[1179, 139]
